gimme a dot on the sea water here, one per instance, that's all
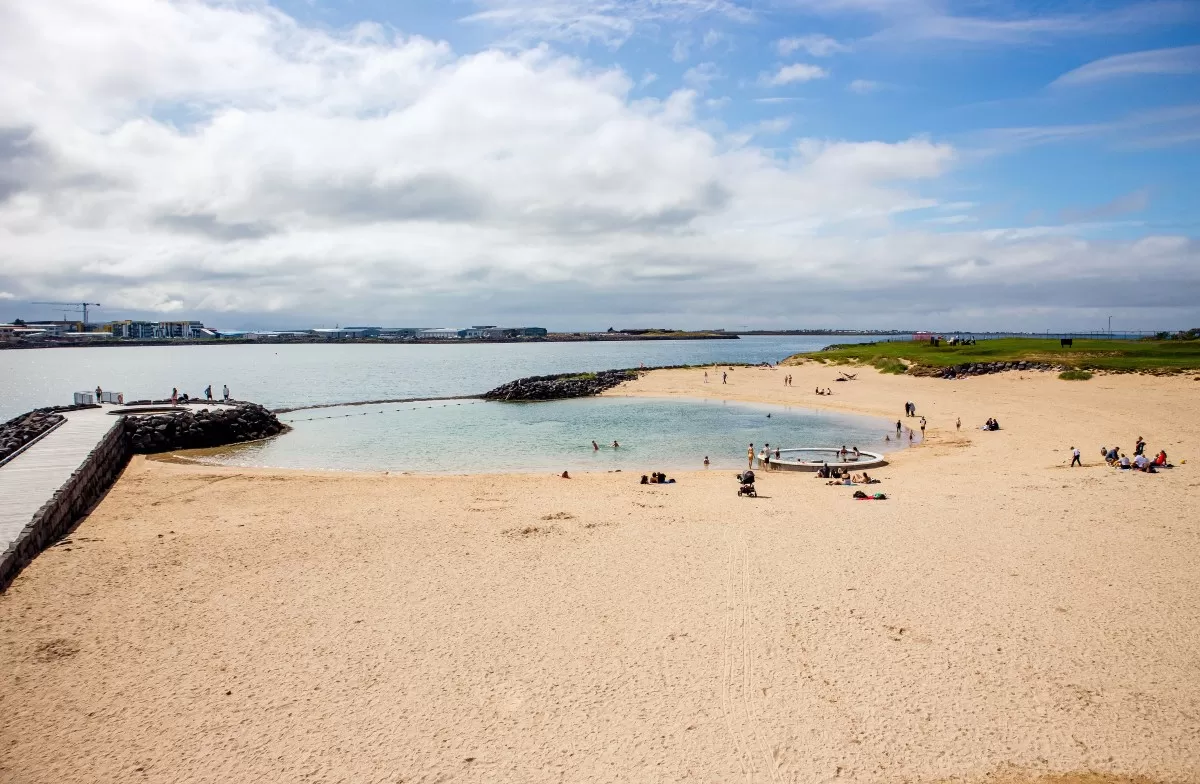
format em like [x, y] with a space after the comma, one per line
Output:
[453, 436]
[486, 437]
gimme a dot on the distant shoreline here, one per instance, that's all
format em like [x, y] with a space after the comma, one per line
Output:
[565, 337]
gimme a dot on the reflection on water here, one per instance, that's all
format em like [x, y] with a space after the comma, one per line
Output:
[484, 437]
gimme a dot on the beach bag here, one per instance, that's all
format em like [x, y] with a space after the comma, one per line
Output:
[859, 494]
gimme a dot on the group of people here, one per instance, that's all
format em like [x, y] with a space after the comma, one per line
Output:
[991, 424]
[910, 409]
[657, 478]
[185, 397]
[787, 380]
[837, 475]
[596, 447]
[1140, 462]
[764, 457]
[825, 391]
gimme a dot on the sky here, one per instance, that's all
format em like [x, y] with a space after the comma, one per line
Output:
[579, 164]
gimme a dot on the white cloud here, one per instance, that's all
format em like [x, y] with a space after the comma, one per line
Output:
[224, 158]
[863, 86]
[610, 22]
[797, 72]
[878, 161]
[681, 50]
[648, 78]
[7, 295]
[712, 38]
[815, 45]
[699, 77]
[1178, 60]
[774, 126]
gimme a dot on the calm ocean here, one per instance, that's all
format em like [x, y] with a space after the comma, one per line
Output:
[448, 437]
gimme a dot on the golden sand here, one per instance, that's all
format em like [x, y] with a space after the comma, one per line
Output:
[1000, 618]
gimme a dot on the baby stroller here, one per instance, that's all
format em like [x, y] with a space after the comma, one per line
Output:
[747, 488]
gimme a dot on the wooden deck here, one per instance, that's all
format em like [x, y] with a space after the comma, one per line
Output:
[33, 477]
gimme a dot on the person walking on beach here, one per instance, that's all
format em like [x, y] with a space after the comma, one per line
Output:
[174, 395]
[706, 377]
[750, 457]
[1075, 461]
[226, 392]
[897, 428]
[724, 377]
[958, 423]
[208, 392]
[922, 428]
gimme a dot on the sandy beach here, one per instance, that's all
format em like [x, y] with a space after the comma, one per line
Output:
[1001, 617]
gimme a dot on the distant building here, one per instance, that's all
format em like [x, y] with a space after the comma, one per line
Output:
[133, 330]
[179, 329]
[403, 333]
[341, 333]
[440, 333]
[19, 332]
[56, 328]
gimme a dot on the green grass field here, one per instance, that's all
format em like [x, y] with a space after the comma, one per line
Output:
[1112, 355]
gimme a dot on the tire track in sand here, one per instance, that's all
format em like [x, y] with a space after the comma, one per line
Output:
[741, 716]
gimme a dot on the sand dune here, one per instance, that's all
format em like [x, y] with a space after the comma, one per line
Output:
[1001, 617]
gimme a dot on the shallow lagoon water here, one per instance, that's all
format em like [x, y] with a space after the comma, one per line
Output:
[485, 437]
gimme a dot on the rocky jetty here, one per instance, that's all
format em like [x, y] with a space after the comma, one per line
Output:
[207, 427]
[979, 369]
[560, 387]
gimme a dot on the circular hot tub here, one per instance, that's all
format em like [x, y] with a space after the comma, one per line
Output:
[813, 458]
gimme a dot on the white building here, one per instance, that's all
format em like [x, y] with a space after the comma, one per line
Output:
[440, 333]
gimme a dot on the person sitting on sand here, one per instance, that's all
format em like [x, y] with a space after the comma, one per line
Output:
[1161, 458]
[565, 475]
[1141, 462]
[1112, 456]
[645, 479]
[1123, 462]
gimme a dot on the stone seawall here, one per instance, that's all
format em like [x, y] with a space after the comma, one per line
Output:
[86, 486]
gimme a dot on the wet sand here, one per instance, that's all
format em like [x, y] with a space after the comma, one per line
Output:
[1000, 618]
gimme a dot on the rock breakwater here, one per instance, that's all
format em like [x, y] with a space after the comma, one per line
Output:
[979, 369]
[200, 430]
[561, 386]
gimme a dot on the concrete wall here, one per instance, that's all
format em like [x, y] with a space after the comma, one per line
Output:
[80, 493]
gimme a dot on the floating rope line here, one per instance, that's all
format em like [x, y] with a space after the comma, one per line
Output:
[380, 411]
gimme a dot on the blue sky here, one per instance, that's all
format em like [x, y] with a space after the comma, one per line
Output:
[994, 164]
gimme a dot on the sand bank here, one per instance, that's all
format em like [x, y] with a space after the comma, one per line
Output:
[1001, 617]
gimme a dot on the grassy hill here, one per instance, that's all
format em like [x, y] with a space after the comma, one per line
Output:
[1110, 355]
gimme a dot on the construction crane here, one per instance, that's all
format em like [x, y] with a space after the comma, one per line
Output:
[78, 307]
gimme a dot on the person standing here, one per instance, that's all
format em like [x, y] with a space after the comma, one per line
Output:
[595, 447]
[1075, 461]
[208, 392]
[750, 457]
[225, 391]
[99, 392]
[706, 377]
[897, 428]
[724, 377]
[958, 423]
[922, 428]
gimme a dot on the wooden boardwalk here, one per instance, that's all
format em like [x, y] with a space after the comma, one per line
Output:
[33, 477]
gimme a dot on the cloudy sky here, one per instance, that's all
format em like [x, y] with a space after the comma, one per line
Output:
[1010, 164]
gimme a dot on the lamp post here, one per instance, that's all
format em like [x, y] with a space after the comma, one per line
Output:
[1110, 327]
